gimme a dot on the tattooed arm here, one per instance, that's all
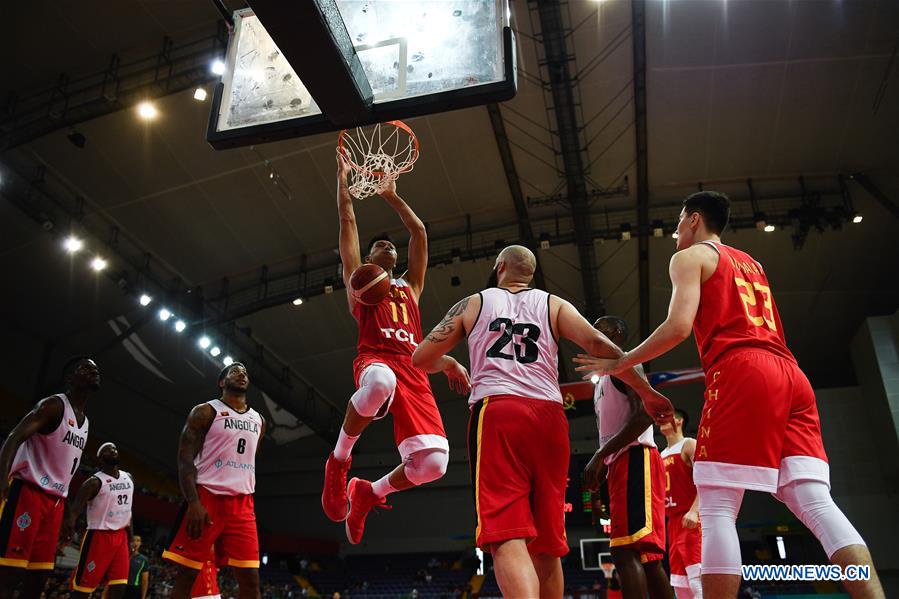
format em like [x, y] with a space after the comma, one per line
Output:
[431, 353]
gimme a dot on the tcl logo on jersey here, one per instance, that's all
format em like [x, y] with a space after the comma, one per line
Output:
[669, 502]
[400, 335]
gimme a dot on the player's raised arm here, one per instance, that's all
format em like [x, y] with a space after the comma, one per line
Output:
[192, 437]
[45, 416]
[418, 240]
[685, 270]
[350, 256]
[574, 327]
[431, 354]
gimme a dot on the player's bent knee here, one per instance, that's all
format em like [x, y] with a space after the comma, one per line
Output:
[426, 466]
[376, 386]
[811, 502]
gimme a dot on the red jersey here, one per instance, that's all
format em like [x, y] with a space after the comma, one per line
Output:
[391, 327]
[680, 492]
[736, 310]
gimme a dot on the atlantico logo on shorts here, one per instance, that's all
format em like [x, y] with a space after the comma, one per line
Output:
[23, 521]
[806, 572]
[219, 463]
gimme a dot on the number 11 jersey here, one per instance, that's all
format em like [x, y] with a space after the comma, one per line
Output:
[226, 465]
[512, 348]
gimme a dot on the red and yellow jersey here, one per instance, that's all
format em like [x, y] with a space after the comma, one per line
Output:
[736, 310]
[392, 327]
[680, 492]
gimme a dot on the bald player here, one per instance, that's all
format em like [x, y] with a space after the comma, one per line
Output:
[518, 433]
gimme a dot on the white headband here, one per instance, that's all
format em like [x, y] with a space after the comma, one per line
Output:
[104, 445]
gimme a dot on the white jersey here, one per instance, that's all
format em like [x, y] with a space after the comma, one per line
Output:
[111, 508]
[613, 410]
[49, 461]
[226, 465]
[512, 348]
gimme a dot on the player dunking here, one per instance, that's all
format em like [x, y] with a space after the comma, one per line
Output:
[518, 432]
[386, 381]
[752, 383]
[106, 544]
[682, 509]
[37, 462]
[217, 473]
[636, 480]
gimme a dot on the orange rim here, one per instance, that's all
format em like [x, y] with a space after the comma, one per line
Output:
[399, 125]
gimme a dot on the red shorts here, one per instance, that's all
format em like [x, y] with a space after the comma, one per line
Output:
[29, 527]
[105, 555]
[417, 423]
[232, 534]
[637, 502]
[518, 452]
[206, 584]
[759, 428]
[684, 549]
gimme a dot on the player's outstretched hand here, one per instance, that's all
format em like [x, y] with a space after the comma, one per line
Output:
[457, 377]
[196, 520]
[691, 519]
[595, 472]
[343, 166]
[591, 365]
[389, 190]
[657, 406]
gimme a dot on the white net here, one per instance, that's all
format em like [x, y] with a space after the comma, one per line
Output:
[379, 154]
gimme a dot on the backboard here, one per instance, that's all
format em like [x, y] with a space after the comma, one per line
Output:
[418, 57]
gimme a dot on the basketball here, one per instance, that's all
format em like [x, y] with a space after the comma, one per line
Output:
[370, 284]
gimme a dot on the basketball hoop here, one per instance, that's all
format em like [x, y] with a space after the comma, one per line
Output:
[377, 155]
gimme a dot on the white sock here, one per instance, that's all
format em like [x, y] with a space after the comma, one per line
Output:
[382, 487]
[344, 445]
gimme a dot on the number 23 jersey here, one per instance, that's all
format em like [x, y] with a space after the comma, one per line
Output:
[736, 309]
[226, 464]
[512, 347]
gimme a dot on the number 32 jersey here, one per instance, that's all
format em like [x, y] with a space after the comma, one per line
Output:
[226, 465]
[736, 310]
[512, 347]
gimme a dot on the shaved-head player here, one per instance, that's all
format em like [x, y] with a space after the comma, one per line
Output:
[518, 432]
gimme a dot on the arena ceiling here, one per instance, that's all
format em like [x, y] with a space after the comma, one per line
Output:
[735, 90]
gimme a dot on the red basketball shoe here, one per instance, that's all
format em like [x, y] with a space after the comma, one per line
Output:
[362, 501]
[334, 497]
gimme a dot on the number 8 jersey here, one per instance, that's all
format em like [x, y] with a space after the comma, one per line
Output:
[736, 309]
[512, 348]
[226, 465]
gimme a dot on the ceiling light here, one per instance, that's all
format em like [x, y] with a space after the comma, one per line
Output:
[674, 235]
[594, 379]
[657, 229]
[625, 232]
[147, 111]
[228, 361]
[145, 300]
[99, 263]
[205, 342]
[857, 218]
[769, 228]
[72, 244]
[218, 67]
[180, 326]
[164, 314]
[200, 94]
[215, 351]
[298, 301]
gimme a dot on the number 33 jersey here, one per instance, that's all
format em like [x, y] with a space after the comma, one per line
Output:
[226, 465]
[512, 347]
[736, 309]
